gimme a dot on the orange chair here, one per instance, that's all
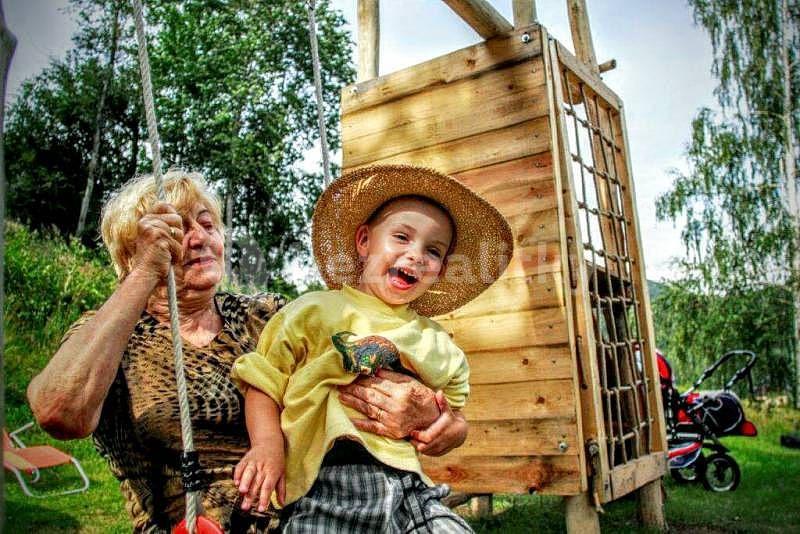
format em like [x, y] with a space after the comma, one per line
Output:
[20, 459]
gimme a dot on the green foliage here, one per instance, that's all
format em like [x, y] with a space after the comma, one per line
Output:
[234, 100]
[738, 282]
[48, 143]
[696, 328]
[48, 284]
[737, 233]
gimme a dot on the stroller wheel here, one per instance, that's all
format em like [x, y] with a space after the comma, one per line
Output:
[722, 473]
[690, 473]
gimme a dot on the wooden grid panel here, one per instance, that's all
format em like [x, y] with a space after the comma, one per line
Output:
[610, 260]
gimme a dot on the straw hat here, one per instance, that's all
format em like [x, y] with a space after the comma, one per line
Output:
[483, 240]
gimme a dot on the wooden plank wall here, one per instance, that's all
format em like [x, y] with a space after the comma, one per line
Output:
[482, 114]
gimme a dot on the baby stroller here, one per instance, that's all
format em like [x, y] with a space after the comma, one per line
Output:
[696, 420]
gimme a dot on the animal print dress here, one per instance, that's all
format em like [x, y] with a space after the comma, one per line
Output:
[139, 430]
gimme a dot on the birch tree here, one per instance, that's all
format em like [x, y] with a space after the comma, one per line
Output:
[738, 201]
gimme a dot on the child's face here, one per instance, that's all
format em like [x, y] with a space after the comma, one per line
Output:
[404, 250]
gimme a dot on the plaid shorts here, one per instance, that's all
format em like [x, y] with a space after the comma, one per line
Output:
[371, 498]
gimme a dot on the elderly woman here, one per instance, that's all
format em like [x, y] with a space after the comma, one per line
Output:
[113, 375]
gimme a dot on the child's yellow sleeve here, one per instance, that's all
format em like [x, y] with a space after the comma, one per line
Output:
[457, 389]
[270, 366]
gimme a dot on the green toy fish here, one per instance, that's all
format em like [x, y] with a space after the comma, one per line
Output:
[366, 355]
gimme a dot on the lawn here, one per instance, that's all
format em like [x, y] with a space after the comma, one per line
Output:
[766, 501]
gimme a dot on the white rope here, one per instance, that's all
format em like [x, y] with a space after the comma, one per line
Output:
[192, 497]
[323, 137]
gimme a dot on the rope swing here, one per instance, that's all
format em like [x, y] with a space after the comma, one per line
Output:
[190, 464]
[323, 136]
[194, 521]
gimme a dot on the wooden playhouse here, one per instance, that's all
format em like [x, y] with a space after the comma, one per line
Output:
[565, 397]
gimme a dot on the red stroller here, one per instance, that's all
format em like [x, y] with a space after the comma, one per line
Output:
[696, 420]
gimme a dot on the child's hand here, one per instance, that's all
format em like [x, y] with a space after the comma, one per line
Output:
[446, 433]
[260, 472]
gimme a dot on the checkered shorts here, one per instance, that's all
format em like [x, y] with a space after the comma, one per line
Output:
[372, 498]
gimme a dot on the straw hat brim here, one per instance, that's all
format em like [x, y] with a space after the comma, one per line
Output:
[483, 240]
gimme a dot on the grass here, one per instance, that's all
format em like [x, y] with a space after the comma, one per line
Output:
[766, 500]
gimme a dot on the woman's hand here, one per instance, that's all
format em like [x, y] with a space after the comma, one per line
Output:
[260, 472]
[159, 241]
[67, 396]
[395, 403]
[445, 434]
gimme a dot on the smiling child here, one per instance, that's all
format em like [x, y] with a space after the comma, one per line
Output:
[383, 237]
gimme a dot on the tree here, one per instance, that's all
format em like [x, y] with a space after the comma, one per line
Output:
[695, 328]
[49, 140]
[739, 198]
[98, 128]
[234, 100]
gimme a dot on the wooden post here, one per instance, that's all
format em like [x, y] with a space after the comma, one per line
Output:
[481, 505]
[582, 33]
[7, 45]
[651, 506]
[481, 16]
[581, 515]
[524, 13]
[369, 36]
[606, 66]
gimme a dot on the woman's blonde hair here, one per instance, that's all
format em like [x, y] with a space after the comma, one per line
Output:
[121, 213]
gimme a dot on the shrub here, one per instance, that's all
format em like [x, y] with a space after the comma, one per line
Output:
[49, 282]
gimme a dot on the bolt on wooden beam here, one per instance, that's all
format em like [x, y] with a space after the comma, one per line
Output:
[368, 39]
[481, 17]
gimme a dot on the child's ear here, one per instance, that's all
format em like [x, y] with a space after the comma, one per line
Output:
[362, 241]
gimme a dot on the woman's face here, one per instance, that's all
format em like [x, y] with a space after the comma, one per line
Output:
[203, 249]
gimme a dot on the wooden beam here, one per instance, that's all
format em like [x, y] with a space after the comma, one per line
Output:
[651, 506]
[481, 506]
[369, 33]
[524, 13]
[546, 475]
[468, 62]
[481, 17]
[606, 66]
[637, 473]
[581, 515]
[582, 33]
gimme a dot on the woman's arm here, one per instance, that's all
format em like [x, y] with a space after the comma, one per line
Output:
[397, 405]
[67, 396]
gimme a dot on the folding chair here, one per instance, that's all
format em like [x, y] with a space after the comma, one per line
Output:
[20, 459]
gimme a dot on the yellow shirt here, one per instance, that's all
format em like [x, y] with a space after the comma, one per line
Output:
[297, 365]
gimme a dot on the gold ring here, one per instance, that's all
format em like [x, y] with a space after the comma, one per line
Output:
[173, 232]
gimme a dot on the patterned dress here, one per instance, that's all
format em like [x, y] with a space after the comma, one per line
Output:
[139, 430]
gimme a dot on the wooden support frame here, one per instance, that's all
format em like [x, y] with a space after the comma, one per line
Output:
[581, 331]
[642, 474]
[582, 33]
[494, 116]
[524, 13]
[481, 16]
[369, 35]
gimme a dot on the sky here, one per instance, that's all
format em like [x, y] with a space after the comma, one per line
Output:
[662, 75]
